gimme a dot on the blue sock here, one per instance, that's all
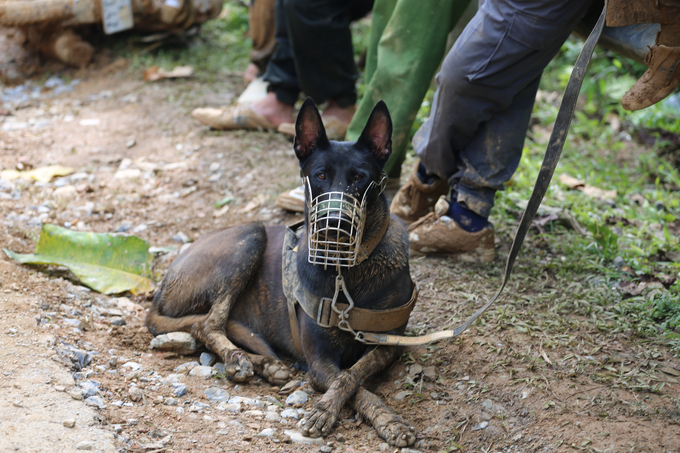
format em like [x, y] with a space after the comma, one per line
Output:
[424, 177]
[468, 220]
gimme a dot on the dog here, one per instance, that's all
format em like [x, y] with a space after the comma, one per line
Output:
[232, 288]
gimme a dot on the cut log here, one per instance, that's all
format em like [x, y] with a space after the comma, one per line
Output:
[69, 48]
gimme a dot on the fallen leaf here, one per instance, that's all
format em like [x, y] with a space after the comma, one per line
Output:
[155, 73]
[107, 263]
[591, 191]
[42, 174]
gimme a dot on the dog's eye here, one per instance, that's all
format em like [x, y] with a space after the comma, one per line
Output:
[321, 176]
[358, 177]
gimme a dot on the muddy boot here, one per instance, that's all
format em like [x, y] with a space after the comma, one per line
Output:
[660, 80]
[416, 199]
[439, 234]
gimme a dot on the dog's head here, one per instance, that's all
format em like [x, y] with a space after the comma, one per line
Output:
[343, 180]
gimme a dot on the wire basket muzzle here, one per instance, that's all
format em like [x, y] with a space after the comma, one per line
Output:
[335, 228]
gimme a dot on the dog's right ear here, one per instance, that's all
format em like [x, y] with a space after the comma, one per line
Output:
[309, 131]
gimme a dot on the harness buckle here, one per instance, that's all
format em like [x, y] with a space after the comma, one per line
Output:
[321, 320]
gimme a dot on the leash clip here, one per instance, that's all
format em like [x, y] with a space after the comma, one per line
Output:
[343, 324]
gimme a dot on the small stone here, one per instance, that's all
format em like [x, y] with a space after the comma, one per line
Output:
[136, 394]
[326, 449]
[216, 394]
[429, 373]
[65, 192]
[133, 366]
[90, 388]
[77, 394]
[130, 143]
[207, 359]
[480, 426]
[132, 421]
[170, 401]
[297, 437]
[70, 422]
[77, 323]
[236, 407]
[220, 368]
[297, 397]
[113, 362]
[179, 390]
[401, 395]
[618, 263]
[290, 413]
[383, 446]
[267, 432]
[59, 388]
[292, 385]
[118, 321]
[85, 445]
[202, 371]
[253, 413]
[272, 417]
[186, 367]
[96, 401]
[179, 342]
[181, 237]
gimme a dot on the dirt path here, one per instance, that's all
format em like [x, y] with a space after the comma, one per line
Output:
[536, 375]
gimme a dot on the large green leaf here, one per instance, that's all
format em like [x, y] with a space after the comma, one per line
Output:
[107, 263]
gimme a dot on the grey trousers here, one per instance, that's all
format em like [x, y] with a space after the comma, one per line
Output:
[485, 94]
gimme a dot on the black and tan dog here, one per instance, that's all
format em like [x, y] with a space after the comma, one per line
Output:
[228, 289]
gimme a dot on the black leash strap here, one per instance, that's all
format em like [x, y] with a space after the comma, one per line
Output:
[545, 174]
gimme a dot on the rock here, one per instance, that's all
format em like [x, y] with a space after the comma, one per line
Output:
[133, 366]
[186, 367]
[118, 322]
[290, 413]
[85, 445]
[383, 446]
[267, 432]
[230, 407]
[297, 397]
[326, 449]
[480, 426]
[292, 385]
[181, 237]
[113, 362]
[220, 368]
[136, 394]
[70, 422]
[96, 401]
[216, 394]
[77, 394]
[207, 359]
[68, 192]
[253, 413]
[408, 450]
[297, 437]
[202, 371]
[401, 395]
[184, 247]
[198, 407]
[124, 226]
[179, 390]
[429, 373]
[77, 323]
[170, 401]
[618, 263]
[272, 417]
[90, 388]
[179, 342]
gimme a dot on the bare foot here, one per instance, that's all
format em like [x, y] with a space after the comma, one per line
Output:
[274, 110]
[343, 114]
[251, 72]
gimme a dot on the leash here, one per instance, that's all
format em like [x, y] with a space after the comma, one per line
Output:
[545, 174]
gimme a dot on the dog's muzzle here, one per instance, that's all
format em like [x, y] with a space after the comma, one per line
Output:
[336, 225]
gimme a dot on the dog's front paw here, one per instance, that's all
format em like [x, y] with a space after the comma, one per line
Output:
[275, 372]
[395, 430]
[238, 366]
[318, 423]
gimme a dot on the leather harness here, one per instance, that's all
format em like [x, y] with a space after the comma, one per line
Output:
[328, 312]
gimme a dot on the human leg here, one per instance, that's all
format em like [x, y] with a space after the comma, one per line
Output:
[408, 39]
[485, 93]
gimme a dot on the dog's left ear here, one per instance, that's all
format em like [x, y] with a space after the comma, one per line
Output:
[377, 135]
[310, 134]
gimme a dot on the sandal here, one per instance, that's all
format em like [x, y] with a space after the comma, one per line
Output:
[237, 116]
[335, 129]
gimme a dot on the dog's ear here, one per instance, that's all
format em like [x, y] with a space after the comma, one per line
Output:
[377, 134]
[309, 131]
